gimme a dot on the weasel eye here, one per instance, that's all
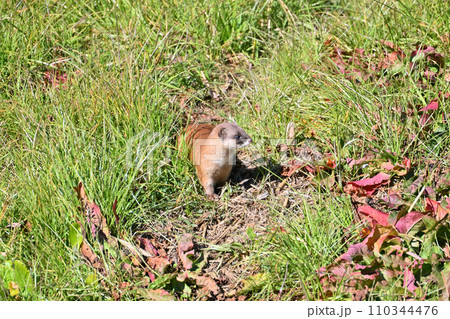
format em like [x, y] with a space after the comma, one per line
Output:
[238, 137]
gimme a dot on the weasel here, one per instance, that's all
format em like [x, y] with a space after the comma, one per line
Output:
[213, 152]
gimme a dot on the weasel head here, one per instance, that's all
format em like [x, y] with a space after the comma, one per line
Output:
[232, 136]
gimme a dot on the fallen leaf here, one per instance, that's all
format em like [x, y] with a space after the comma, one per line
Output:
[366, 187]
[148, 246]
[405, 223]
[409, 281]
[445, 273]
[186, 250]
[377, 237]
[253, 282]
[436, 207]
[359, 249]
[430, 54]
[393, 200]
[95, 219]
[114, 208]
[415, 185]
[208, 283]
[55, 78]
[92, 258]
[433, 105]
[427, 111]
[13, 288]
[380, 217]
[158, 263]
[155, 294]
[367, 158]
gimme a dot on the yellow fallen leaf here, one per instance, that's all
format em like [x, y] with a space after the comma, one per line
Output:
[13, 288]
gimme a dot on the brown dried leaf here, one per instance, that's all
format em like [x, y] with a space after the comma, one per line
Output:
[158, 263]
[91, 257]
[95, 218]
[155, 294]
[208, 283]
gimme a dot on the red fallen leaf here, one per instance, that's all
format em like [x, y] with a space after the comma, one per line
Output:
[365, 232]
[148, 246]
[291, 167]
[409, 281]
[330, 163]
[436, 207]
[407, 163]
[185, 250]
[430, 75]
[95, 218]
[433, 105]
[429, 192]
[387, 43]
[367, 158]
[377, 237]
[310, 169]
[431, 55]
[399, 169]
[124, 285]
[128, 268]
[277, 229]
[114, 208]
[380, 217]
[55, 78]
[361, 267]
[415, 185]
[387, 166]
[393, 200]
[150, 275]
[359, 249]
[427, 111]
[391, 59]
[405, 223]
[424, 119]
[294, 165]
[337, 58]
[367, 187]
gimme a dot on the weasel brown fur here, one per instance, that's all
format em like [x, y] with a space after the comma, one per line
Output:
[213, 151]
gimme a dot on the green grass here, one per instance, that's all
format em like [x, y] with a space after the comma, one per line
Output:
[113, 124]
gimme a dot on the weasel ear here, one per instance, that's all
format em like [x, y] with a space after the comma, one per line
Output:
[222, 133]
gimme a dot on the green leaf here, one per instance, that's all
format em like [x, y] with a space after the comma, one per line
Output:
[253, 283]
[187, 291]
[6, 273]
[92, 278]
[429, 222]
[250, 233]
[75, 237]
[162, 281]
[22, 276]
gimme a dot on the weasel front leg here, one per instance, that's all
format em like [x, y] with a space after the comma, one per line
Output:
[208, 185]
